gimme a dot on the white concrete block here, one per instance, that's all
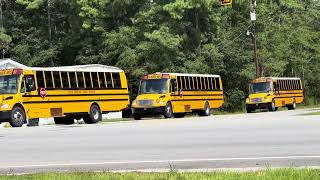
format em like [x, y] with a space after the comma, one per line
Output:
[46, 121]
[113, 115]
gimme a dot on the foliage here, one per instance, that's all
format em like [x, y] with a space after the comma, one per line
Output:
[145, 36]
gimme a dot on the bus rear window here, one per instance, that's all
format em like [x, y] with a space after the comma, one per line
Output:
[116, 80]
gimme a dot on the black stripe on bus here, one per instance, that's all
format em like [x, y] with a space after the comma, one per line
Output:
[290, 93]
[71, 101]
[288, 97]
[197, 99]
[57, 95]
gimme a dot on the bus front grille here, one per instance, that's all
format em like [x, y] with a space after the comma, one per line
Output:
[145, 102]
[256, 100]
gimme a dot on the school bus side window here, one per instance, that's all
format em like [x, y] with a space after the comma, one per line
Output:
[73, 80]
[88, 80]
[198, 83]
[57, 80]
[49, 81]
[80, 80]
[95, 80]
[108, 79]
[218, 83]
[40, 79]
[187, 83]
[192, 82]
[179, 82]
[204, 83]
[116, 80]
[102, 80]
[212, 83]
[65, 80]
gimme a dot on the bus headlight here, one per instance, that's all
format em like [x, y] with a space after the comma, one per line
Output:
[161, 102]
[4, 106]
[134, 103]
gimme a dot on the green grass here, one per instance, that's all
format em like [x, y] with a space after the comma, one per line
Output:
[117, 120]
[310, 114]
[280, 174]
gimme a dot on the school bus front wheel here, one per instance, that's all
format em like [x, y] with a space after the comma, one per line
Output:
[18, 116]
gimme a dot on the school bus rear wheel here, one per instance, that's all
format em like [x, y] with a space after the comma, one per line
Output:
[206, 110]
[292, 106]
[94, 116]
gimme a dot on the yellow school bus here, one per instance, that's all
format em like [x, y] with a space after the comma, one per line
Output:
[273, 92]
[175, 94]
[65, 93]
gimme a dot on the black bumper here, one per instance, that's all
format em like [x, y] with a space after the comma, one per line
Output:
[5, 116]
[258, 106]
[148, 111]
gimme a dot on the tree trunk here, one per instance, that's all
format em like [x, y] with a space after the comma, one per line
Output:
[1, 15]
[49, 22]
[50, 25]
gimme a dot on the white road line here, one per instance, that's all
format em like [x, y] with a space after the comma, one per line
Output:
[159, 161]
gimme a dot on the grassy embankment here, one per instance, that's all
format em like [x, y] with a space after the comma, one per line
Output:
[280, 174]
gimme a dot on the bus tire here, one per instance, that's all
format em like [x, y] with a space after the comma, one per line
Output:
[250, 110]
[168, 111]
[18, 117]
[206, 110]
[179, 115]
[272, 106]
[94, 116]
[292, 106]
[136, 116]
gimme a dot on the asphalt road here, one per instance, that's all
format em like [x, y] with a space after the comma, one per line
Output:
[257, 140]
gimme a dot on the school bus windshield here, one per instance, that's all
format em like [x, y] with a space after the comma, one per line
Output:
[9, 84]
[263, 87]
[154, 86]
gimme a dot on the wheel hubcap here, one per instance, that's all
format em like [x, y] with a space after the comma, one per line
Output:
[168, 109]
[207, 109]
[17, 116]
[96, 114]
[273, 106]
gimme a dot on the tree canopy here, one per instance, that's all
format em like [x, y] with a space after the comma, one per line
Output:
[146, 36]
